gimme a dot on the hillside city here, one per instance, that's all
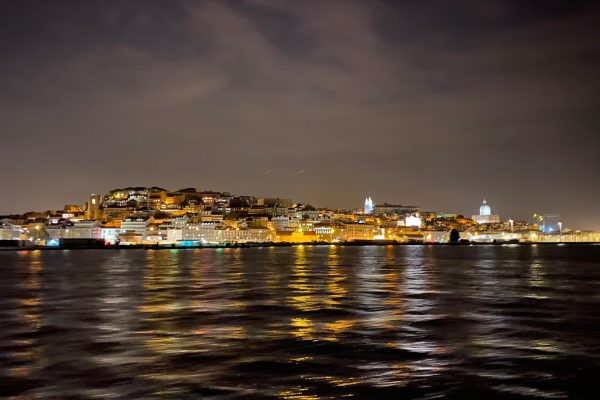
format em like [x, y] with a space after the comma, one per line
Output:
[193, 218]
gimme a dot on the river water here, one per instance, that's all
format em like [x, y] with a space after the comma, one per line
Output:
[306, 322]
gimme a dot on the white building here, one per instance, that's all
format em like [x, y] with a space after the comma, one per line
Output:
[485, 215]
[136, 225]
[204, 231]
[9, 231]
[491, 237]
[413, 220]
[280, 223]
[78, 230]
[110, 235]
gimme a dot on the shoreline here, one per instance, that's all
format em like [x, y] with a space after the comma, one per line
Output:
[286, 244]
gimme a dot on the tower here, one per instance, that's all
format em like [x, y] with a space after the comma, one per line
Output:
[368, 205]
[93, 206]
[485, 209]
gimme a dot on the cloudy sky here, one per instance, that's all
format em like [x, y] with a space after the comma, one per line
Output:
[432, 103]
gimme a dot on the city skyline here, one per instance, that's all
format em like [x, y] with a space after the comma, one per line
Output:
[324, 102]
[531, 217]
[181, 197]
[156, 217]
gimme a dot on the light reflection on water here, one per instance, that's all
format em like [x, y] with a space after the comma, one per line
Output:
[305, 322]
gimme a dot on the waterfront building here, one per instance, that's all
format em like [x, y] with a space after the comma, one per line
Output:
[551, 224]
[485, 215]
[359, 232]
[110, 234]
[325, 231]
[10, 231]
[203, 231]
[297, 236]
[492, 237]
[130, 238]
[136, 225]
[570, 237]
[436, 236]
[86, 229]
[259, 235]
[412, 237]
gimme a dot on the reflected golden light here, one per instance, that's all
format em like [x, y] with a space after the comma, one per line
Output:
[302, 292]
[337, 328]
[297, 393]
[302, 328]
[335, 279]
[301, 359]
[26, 350]
[342, 382]
[537, 279]
[546, 346]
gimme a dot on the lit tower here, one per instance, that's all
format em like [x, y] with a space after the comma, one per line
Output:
[368, 205]
[93, 207]
[485, 209]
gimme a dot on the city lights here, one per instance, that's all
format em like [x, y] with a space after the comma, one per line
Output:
[140, 216]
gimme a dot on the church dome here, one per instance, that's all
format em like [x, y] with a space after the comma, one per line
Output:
[485, 209]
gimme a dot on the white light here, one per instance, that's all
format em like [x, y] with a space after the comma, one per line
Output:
[413, 221]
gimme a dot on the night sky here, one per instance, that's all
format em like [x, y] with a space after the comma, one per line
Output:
[430, 103]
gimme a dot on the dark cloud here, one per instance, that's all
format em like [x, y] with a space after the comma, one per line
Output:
[429, 103]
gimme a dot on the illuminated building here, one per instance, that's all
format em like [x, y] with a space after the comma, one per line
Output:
[204, 231]
[394, 209]
[87, 229]
[211, 217]
[9, 231]
[359, 232]
[551, 224]
[485, 215]
[297, 237]
[136, 225]
[258, 235]
[437, 236]
[282, 223]
[94, 207]
[130, 238]
[492, 237]
[73, 208]
[413, 220]
[485, 209]
[110, 234]
[368, 206]
[156, 215]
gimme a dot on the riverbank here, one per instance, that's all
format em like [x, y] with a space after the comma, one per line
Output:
[283, 244]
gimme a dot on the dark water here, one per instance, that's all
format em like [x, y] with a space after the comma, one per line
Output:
[302, 323]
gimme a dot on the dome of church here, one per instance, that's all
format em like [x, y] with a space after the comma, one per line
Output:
[485, 209]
